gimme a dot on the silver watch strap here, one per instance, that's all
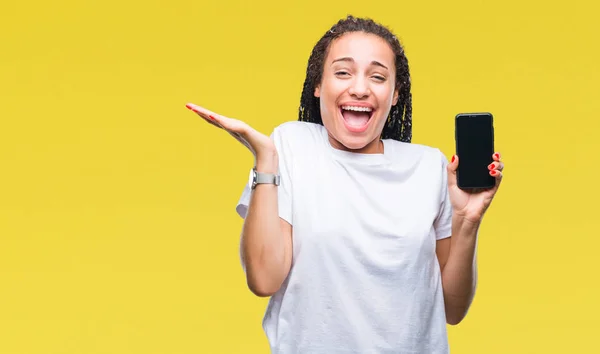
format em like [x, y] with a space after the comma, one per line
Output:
[267, 178]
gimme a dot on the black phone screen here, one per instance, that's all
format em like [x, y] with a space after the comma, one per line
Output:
[474, 147]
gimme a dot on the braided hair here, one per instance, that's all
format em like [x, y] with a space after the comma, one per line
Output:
[399, 122]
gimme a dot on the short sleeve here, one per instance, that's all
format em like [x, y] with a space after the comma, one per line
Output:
[284, 190]
[443, 221]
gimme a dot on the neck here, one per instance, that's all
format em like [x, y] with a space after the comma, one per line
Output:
[374, 147]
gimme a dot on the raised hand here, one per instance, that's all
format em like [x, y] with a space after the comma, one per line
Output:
[259, 144]
[471, 205]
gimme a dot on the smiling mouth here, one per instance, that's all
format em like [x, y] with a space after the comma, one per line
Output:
[356, 118]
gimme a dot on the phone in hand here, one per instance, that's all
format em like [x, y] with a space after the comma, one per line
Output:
[474, 137]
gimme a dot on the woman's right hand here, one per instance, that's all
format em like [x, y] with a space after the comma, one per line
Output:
[261, 146]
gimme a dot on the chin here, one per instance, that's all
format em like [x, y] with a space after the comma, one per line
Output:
[359, 140]
[355, 142]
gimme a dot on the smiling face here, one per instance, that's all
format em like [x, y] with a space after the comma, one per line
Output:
[356, 91]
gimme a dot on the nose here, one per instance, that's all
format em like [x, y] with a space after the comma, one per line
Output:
[359, 87]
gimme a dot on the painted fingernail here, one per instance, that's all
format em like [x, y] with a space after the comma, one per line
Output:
[497, 155]
[192, 107]
[453, 158]
[493, 172]
[491, 166]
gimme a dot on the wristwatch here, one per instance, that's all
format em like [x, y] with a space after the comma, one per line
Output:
[262, 178]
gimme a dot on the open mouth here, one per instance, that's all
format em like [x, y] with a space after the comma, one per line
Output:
[356, 118]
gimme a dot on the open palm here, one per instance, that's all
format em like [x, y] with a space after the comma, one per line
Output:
[255, 141]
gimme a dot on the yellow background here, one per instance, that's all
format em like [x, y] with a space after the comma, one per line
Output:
[117, 225]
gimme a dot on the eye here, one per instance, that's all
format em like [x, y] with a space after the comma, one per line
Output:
[379, 78]
[341, 73]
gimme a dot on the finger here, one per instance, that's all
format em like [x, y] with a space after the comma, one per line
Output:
[215, 119]
[229, 124]
[213, 122]
[212, 117]
[497, 175]
[241, 131]
[201, 111]
[209, 116]
[499, 166]
[452, 166]
[496, 156]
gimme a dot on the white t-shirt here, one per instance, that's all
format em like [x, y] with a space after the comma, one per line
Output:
[365, 277]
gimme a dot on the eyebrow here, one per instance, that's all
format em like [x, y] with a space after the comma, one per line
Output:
[374, 62]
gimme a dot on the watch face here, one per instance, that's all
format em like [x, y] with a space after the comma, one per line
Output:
[251, 178]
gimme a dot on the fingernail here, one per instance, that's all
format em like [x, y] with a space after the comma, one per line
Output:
[497, 156]
[192, 107]
[491, 166]
[453, 158]
[211, 117]
[493, 172]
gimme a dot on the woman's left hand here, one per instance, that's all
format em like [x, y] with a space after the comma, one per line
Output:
[471, 205]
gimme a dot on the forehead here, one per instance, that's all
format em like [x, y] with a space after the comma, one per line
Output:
[362, 47]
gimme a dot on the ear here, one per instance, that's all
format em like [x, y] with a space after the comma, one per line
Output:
[395, 99]
[317, 91]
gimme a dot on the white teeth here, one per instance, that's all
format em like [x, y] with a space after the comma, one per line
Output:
[357, 109]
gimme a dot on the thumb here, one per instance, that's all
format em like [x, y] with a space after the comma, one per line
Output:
[451, 167]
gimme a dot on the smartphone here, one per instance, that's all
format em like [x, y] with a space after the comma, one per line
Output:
[474, 136]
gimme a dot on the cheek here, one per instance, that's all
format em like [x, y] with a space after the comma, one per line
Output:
[329, 96]
[385, 96]
[328, 110]
[330, 91]
[323, 106]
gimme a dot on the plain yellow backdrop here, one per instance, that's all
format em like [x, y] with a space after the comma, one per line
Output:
[118, 232]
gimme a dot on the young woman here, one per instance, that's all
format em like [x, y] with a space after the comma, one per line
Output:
[363, 240]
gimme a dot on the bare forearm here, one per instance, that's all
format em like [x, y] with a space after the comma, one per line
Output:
[459, 276]
[263, 247]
